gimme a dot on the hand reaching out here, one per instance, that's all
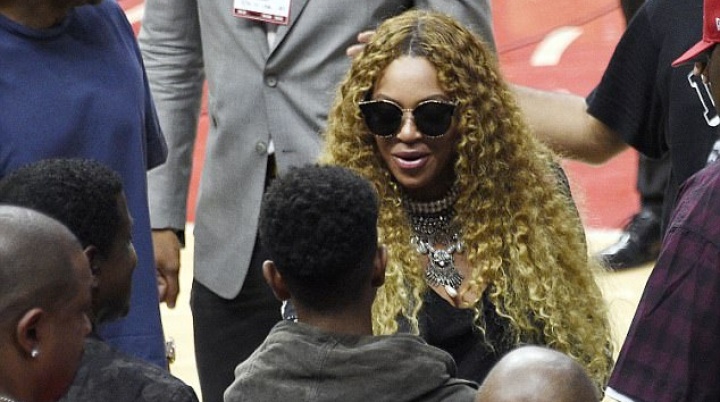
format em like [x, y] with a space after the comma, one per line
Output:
[362, 38]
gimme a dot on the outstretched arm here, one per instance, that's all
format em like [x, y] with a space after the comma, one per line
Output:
[562, 122]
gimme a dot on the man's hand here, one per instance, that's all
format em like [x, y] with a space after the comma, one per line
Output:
[167, 261]
[362, 38]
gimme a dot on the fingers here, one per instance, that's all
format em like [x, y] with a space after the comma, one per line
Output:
[365, 36]
[162, 287]
[354, 50]
[362, 38]
[167, 260]
[171, 285]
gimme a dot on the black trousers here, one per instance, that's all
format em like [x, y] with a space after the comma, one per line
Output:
[228, 331]
[653, 177]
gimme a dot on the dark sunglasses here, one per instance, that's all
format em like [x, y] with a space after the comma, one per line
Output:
[384, 118]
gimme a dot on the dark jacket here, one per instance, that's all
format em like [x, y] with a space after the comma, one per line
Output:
[298, 362]
[107, 375]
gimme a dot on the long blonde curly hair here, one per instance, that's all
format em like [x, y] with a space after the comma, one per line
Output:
[524, 239]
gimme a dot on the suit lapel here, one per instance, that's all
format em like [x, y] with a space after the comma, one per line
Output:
[296, 8]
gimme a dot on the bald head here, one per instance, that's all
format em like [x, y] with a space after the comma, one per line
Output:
[38, 256]
[537, 374]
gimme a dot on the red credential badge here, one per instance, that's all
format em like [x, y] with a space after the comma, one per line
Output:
[271, 11]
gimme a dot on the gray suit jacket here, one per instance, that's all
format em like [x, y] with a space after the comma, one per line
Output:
[256, 93]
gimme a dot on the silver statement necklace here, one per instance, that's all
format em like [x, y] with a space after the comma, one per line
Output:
[6, 399]
[432, 224]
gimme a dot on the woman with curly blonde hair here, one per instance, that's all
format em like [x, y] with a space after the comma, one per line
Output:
[486, 249]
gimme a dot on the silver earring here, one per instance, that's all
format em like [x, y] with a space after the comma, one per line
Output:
[34, 353]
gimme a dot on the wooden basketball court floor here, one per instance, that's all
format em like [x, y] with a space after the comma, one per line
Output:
[560, 45]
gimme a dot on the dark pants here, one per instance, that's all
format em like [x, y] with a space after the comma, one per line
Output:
[653, 176]
[228, 331]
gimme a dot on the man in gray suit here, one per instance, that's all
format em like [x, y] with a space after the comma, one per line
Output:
[270, 87]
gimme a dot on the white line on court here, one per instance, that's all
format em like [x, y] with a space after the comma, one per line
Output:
[549, 51]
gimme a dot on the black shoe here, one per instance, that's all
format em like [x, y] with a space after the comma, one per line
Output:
[639, 243]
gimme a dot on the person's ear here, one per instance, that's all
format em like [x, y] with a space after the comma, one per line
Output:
[93, 256]
[379, 266]
[275, 280]
[27, 331]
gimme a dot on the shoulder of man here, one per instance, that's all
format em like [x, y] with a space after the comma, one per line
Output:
[108, 374]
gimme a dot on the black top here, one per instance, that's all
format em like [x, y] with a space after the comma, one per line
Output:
[452, 329]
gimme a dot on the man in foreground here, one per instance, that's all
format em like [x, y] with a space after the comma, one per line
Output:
[319, 227]
[44, 297]
[672, 350]
[89, 199]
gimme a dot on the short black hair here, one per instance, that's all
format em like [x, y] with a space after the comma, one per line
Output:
[80, 193]
[319, 225]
